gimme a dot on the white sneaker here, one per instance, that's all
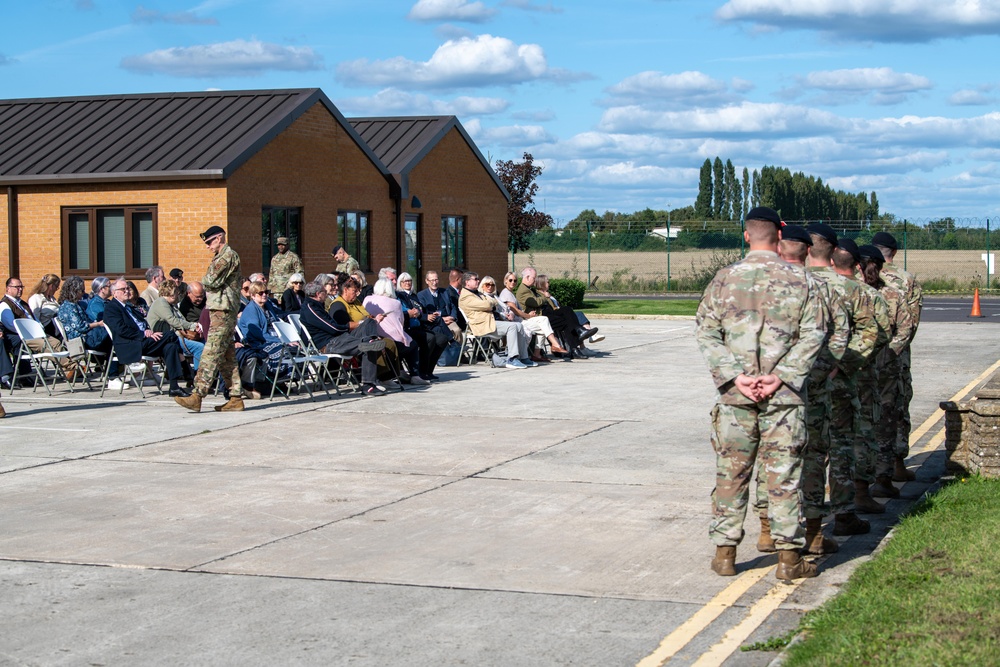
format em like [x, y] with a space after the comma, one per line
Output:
[115, 385]
[597, 338]
[137, 367]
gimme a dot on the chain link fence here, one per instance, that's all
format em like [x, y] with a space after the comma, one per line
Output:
[946, 255]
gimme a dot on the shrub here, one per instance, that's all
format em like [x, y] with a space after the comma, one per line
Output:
[568, 292]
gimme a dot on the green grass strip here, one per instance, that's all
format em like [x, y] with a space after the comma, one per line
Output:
[641, 306]
[931, 597]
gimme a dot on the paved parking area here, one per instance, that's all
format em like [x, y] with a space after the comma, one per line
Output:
[555, 515]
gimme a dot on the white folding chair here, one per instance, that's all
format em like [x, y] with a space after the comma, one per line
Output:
[343, 372]
[294, 351]
[89, 356]
[126, 369]
[29, 329]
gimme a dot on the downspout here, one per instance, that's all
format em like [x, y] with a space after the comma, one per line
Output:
[13, 256]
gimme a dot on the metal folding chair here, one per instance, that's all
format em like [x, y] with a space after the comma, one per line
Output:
[86, 366]
[294, 351]
[475, 345]
[126, 369]
[29, 329]
[343, 372]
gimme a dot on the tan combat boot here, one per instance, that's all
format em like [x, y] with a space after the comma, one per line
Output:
[900, 473]
[234, 404]
[792, 566]
[863, 501]
[883, 488]
[849, 524]
[765, 543]
[724, 563]
[192, 402]
[816, 542]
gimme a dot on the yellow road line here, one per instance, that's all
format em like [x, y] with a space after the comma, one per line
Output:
[939, 413]
[758, 613]
[932, 444]
[688, 630]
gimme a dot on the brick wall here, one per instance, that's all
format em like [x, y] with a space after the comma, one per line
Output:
[314, 164]
[451, 180]
[184, 209]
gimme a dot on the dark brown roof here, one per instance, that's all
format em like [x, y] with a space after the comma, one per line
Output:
[147, 137]
[402, 142]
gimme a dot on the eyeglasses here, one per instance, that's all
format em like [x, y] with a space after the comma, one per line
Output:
[120, 289]
[511, 280]
[489, 284]
[16, 286]
[296, 282]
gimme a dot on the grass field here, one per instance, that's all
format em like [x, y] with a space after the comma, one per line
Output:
[929, 598]
[627, 272]
[640, 306]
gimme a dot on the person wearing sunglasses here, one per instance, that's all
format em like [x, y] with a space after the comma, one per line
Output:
[294, 296]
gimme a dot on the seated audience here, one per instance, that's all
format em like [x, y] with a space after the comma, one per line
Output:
[432, 337]
[479, 310]
[259, 339]
[562, 318]
[438, 306]
[291, 300]
[165, 316]
[193, 302]
[75, 320]
[137, 302]
[133, 339]
[588, 332]
[383, 301]
[43, 303]
[532, 321]
[335, 333]
[12, 307]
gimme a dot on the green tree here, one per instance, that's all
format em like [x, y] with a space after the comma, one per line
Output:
[523, 219]
[731, 205]
[719, 177]
[703, 203]
[746, 193]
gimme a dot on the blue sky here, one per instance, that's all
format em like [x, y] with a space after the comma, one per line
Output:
[621, 102]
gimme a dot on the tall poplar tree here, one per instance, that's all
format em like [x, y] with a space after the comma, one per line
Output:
[719, 177]
[746, 192]
[703, 204]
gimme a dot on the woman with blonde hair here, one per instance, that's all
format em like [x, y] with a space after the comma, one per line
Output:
[43, 302]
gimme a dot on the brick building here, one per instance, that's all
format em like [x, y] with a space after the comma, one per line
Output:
[111, 185]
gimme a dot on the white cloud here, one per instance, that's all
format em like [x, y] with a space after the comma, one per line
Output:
[629, 174]
[745, 118]
[690, 88]
[450, 10]
[144, 15]
[539, 116]
[467, 62]
[235, 58]
[392, 101]
[522, 136]
[863, 20]
[867, 79]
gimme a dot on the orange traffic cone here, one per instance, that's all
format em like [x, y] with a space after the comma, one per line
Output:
[975, 305]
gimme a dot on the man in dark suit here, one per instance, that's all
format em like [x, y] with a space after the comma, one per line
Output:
[439, 307]
[455, 285]
[133, 339]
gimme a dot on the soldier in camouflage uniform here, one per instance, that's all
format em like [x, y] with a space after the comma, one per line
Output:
[345, 263]
[222, 283]
[794, 247]
[760, 330]
[889, 369]
[870, 306]
[914, 297]
[284, 265]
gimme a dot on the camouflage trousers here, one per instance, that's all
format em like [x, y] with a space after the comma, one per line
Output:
[772, 436]
[903, 404]
[887, 427]
[219, 355]
[869, 414]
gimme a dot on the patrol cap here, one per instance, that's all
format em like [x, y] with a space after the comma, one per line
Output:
[336, 249]
[765, 213]
[872, 253]
[850, 246]
[282, 240]
[176, 274]
[211, 232]
[795, 233]
[824, 231]
[885, 239]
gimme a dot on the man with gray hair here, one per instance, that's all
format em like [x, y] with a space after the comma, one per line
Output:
[155, 277]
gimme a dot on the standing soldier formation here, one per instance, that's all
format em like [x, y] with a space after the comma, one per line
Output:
[222, 285]
[807, 361]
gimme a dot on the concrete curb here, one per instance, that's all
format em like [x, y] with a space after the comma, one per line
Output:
[609, 316]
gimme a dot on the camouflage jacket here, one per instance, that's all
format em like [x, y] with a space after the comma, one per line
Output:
[758, 317]
[283, 266]
[838, 330]
[863, 327]
[900, 320]
[223, 280]
[913, 294]
[874, 302]
[348, 266]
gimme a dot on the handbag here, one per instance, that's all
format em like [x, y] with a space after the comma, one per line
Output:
[188, 334]
[75, 347]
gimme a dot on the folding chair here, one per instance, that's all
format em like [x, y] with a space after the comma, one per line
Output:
[29, 329]
[475, 345]
[124, 369]
[293, 350]
[343, 372]
[89, 356]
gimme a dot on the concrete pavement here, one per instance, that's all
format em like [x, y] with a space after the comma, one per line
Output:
[555, 515]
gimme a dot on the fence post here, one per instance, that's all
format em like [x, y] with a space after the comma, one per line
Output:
[987, 253]
[904, 244]
[668, 251]
[588, 253]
